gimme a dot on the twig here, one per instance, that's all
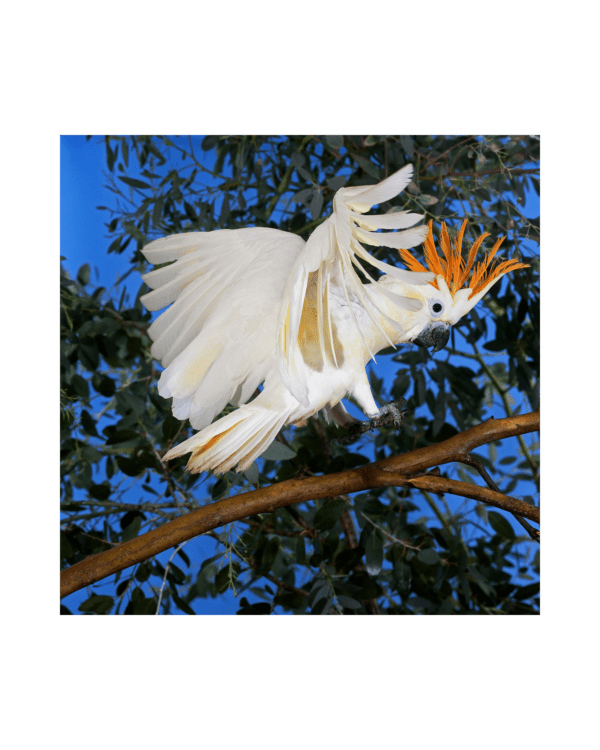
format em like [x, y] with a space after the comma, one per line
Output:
[483, 173]
[285, 181]
[389, 536]
[164, 581]
[249, 561]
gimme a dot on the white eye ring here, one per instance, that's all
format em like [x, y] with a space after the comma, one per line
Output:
[436, 307]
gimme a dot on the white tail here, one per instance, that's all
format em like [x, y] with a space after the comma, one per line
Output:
[236, 438]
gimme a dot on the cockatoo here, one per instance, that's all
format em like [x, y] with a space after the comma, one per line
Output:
[259, 306]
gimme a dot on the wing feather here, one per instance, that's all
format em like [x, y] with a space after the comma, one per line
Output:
[217, 341]
[331, 253]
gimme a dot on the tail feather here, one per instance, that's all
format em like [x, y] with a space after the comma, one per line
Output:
[237, 438]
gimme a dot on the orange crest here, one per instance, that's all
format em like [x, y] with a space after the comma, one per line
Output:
[452, 266]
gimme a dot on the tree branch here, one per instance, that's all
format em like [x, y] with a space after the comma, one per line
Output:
[396, 470]
[476, 464]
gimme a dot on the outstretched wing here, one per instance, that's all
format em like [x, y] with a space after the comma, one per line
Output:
[327, 264]
[217, 341]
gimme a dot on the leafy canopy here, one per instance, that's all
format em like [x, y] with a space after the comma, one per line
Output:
[392, 550]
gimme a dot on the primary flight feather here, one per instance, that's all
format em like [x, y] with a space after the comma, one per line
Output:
[261, 306]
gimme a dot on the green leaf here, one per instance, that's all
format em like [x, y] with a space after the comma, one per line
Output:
[132, 530]
[132, 182]
[278, 452]
[220, 488]
[288, 600]
[129, 466]
[140, 604]
[326, 517]
[305, 174]
[157, 211]
[525, 592]
[66, 550]
[348, 558]
[302, 195]
[170, 427]
[337, 182]
[251, 474]
[367, 166]
[259, 608]
[89, 356]
[408, 145]
[316, 205]
[428, 557]
[368, 588]
[300, 550]
[110, 154]
[418, 603]
[88, 424]
[103, 384]
[116, 437]
[334, 141]
[80, 387]
[374, 553]
[101, 605]
[224, 578]
[83, 275]
[100, 491]
[500, 525]
[184, 557]
[348, 602]
[498, 345]
[142, 574]
[209, 142]
[183, 606]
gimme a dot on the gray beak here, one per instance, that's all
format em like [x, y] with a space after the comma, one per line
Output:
[436, 335]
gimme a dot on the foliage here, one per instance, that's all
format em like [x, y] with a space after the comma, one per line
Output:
[386, 551]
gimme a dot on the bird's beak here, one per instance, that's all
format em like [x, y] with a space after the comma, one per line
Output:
[436, 335]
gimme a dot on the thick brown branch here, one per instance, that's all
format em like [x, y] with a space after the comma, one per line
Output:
[459, 446]
[390, 471]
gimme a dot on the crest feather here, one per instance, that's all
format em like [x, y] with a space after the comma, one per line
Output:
[452, 267]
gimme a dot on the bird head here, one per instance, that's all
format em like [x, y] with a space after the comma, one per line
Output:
[457, 287]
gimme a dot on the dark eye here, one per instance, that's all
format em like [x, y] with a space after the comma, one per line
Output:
[436, 307]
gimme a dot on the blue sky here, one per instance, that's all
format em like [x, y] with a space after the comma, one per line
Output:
[84, 239]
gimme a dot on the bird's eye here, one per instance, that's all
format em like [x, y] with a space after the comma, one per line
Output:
[436, 307]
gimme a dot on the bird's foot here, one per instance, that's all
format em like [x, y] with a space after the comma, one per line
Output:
[391, 413]
[388, 413]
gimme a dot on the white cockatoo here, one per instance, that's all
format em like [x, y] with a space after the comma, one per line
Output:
[260, 306]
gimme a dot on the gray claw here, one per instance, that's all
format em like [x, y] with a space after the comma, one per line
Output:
[388, 410]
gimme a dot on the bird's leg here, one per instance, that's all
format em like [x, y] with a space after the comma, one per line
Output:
[387, 414]
[377, 417]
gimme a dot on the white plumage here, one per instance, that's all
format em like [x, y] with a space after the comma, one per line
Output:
[261, 306]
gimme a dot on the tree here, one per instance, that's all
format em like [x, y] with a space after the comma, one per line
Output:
[297, 536]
